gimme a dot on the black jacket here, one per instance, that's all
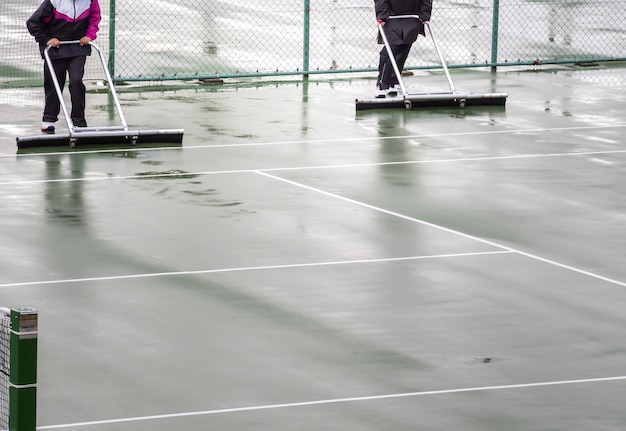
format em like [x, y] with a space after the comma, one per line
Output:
[403, 31]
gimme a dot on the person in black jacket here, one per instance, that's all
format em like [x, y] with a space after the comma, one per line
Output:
[65, 20]
[401, 34]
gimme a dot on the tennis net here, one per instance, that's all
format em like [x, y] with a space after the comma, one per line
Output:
[5, 366]
[18, 369]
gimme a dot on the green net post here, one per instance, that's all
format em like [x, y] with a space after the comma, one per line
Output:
[23, 379]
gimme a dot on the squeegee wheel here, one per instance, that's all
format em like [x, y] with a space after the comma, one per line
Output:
[133, 140]
[73, 142]
[462, 103]
[408, 104]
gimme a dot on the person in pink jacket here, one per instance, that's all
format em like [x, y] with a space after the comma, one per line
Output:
[65, 20]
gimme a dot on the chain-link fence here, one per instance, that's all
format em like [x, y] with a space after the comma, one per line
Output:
[192, 39]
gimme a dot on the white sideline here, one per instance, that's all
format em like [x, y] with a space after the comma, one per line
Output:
[302, 168]
[337, 400]
[332, 140]
[246, 268]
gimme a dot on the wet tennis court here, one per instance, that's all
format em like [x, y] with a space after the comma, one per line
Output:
[296, 265]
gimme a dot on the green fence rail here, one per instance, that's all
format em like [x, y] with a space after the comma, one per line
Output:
[199, 39]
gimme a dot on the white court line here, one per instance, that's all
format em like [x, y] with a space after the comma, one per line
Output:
[337, 401]
[249, 268]
[297, 168]
[326, 141]
[436, 161]
[445, 229]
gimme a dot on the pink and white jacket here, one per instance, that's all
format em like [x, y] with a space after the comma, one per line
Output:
[65, 20]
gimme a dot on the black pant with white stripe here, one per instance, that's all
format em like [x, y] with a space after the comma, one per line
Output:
[75, 68]
[386, 75]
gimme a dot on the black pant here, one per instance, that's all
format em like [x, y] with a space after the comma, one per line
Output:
[386, 75]
[75, 68]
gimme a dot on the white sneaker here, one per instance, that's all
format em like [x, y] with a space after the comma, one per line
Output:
[47, 127]
[380, 94]
[393, 91]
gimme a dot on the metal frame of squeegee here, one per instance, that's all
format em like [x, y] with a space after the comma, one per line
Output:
[408, 98]
[76, 133]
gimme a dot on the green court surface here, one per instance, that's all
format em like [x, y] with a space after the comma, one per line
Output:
[296, 265]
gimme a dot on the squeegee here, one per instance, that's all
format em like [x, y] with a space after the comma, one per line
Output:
[411, 100]
[103, 135]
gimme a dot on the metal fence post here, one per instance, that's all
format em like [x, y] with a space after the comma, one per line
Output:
[494, 34]
[306, 37]
[111, 62]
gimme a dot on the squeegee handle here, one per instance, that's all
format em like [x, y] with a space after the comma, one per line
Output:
[404, 17]
[439, 53]
[70, 124]
[392, 58]
[428, 25]
[57, 87]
